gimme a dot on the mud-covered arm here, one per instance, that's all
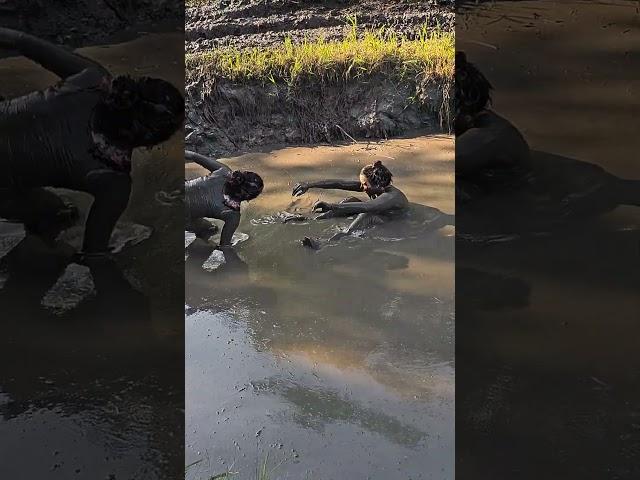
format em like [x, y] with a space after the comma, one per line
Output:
[383, 203]
[64, 63]
[206, 162]
[231, 222]
[476, 149]
[349, 185]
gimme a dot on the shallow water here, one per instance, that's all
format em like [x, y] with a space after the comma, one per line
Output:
[548, 374]
[333, 364]
[91, 359]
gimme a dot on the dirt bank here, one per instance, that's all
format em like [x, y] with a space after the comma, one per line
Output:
[85, 22]
[223, 117]
[226, 117]
[252, 23]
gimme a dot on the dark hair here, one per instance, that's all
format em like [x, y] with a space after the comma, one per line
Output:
[377, 174]
[140, 111]
[243, 185]
[473, 90]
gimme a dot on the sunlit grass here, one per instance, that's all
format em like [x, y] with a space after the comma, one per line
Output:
[430, 55]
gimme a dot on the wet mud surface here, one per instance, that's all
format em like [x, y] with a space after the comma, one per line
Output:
[332, 364]
[82, 22]
[254, 23]
[91, 375]
[546, 371]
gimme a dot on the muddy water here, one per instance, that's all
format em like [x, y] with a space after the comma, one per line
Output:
[91, 359]
[563, 367]
[331, 364]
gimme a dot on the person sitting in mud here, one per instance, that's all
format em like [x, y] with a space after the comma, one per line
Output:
[218, 195]
[79, 134]
[385, 200]
[492, 156]
[485, 141]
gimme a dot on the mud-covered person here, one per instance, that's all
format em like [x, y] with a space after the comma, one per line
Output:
[78, 134]
[385, 200]
[217, 195]
[493, 156]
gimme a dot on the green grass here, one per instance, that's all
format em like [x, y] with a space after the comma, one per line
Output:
[429, 56]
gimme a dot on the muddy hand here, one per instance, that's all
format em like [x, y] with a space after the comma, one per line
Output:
[300, 189]
[321, 206]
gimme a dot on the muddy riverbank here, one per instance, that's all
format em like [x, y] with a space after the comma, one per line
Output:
[226, 116]
[331, 364]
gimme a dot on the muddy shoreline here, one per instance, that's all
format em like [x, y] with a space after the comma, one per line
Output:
[226, 117]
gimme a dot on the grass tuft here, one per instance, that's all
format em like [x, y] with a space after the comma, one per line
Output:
[430, 56]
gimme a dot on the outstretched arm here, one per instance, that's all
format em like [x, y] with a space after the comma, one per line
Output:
[64, 63]
[349, 185]
[206, 162]
[383, 203]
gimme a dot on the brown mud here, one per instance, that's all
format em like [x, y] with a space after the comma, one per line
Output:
[225, 117]
[338, 363]
[85, 22]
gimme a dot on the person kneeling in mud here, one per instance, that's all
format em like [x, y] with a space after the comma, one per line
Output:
[217, 195]
[385, 200]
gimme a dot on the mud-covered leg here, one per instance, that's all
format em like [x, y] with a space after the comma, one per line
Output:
[202, 228]
[363, 221]
[111, 192]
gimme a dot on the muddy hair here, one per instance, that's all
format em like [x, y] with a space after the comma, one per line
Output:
[139, 111]
[378, 175]
[472, 90]
[243, 186]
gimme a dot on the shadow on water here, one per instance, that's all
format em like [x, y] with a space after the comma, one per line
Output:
[91, 364]
[547, 382]
[339, 361]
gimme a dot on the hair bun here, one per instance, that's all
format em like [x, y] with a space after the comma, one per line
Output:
[237, 178]
[378, 163]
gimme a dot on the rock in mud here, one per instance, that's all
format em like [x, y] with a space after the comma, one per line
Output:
[10, 236]
[215, 261]
[73, 286]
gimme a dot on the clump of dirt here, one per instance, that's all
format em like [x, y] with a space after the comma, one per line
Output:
[86, 22]
[257, 23]
[224, 117]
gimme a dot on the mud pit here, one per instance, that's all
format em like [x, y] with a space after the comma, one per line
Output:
[338, 363]
[552, 383]
[67, 329]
